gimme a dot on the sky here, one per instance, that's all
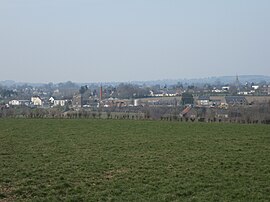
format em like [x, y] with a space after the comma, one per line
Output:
[127, 40]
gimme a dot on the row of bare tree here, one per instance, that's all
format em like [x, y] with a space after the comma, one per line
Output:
[259, 113]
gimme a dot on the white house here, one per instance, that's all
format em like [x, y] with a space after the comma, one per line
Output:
[51, 100]
[217, 91]
[255, 87]
[36, 100]
[18, 102]
[14, 102]
[59, 103]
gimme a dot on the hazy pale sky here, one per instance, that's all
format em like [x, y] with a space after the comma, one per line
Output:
[124, 40]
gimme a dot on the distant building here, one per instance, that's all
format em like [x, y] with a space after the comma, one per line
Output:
[265, 90]
[156, 93]
[203, 100]
[36, 100]
[189, 112]
[77, 101]
[51, 99]
[59, 103]
[217, 91]
[171, 93]
[255, 87]
[225, 88]
[236, 100]
[19, 102]
[136, 102]
[215, 102]
[14, 102]
[93, 102]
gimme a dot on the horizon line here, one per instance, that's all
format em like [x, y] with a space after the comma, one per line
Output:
[132, 81]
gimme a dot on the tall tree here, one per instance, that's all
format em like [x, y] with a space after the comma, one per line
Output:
[187, 98]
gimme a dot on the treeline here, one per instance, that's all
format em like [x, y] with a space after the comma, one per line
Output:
[246, 114]
[7, 93]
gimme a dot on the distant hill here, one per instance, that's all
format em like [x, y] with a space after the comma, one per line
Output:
[7, 83]
[10, 83]
[242, 79]
[210, 80]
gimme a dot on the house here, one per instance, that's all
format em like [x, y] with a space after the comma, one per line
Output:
[217, 91]
[19, 102]
[114, 102]
[14, 102]
[203, 100]
[265, 89]
[156, 93]
[77, 101]
[93, 102]
[36, 100]
[236, 100]
[189, 112]
[243, 93]
[59, 103]
[51, 99]
[215, 103]
[225, 88]
[255, 87]
[171, 93]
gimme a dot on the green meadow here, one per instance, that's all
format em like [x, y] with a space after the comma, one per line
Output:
[122, 160]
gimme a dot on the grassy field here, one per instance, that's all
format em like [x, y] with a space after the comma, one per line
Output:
[120, 160]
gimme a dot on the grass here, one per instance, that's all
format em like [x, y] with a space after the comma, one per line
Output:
[121, 160]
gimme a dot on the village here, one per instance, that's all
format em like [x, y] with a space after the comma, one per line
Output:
[248, 103]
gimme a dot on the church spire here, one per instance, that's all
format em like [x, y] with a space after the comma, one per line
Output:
[237, 83]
